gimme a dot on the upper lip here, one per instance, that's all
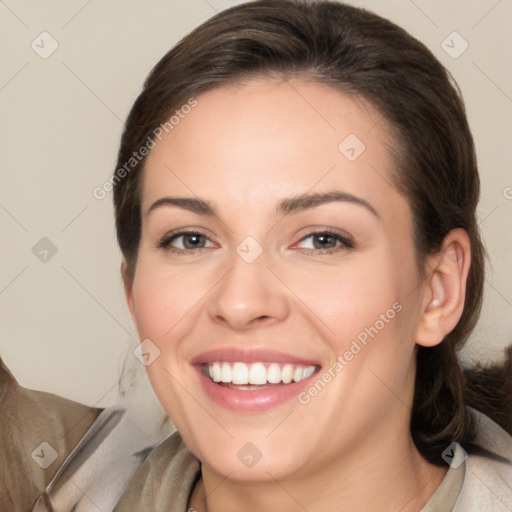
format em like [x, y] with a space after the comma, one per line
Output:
[245, 355]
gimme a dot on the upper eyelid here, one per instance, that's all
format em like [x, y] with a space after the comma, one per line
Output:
[185, 231]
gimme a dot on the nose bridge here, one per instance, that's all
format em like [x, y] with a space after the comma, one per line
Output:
[249, 291]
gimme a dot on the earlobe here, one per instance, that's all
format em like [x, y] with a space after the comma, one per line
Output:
[445, 289]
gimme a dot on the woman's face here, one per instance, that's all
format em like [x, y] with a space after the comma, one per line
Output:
[299, 257]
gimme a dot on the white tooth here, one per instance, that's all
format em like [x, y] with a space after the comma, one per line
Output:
[240, 373]
[257, 374]
[297, 374]
[215, 372]
[307, 372]
[274, 373]
[287, 373]
[226, 373]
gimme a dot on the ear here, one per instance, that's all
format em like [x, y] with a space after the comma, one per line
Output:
[128, 289]
[444, 289]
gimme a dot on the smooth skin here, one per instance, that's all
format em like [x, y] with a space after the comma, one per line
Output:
[244, 148]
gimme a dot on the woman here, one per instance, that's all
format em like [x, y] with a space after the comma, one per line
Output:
[295, 202]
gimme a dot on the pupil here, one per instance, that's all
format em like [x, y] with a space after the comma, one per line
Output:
[192, 245]
[324, 238]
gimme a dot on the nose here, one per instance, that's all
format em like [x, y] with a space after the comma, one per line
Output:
[248, 296]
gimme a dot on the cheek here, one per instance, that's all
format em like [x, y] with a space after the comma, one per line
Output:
[152, 304]
[163, 301]
[163, 297]
[363, 311]
[164, 304]
[348, 298]
[377, 331]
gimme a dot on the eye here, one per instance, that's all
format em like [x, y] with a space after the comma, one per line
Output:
[184, 241]
[325, 242]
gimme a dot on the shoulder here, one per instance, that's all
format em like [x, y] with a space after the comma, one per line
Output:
[39, 415]
[166, 478]
[59, 454]
[488, 471]
[37, 432]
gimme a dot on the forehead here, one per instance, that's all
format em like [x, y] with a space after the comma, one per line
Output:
[251, 144]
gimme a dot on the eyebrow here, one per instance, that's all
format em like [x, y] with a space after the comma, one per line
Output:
[289, 205]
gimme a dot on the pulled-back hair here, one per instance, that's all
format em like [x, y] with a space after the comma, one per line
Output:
[361, 54]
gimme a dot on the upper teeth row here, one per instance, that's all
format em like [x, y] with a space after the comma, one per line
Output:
[258, 373]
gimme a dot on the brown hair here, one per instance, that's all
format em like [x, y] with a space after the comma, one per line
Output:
[358, 53]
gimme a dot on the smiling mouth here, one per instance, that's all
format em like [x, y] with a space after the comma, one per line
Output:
[257, 375]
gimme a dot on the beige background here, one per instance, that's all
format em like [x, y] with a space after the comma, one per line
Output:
[64, 325]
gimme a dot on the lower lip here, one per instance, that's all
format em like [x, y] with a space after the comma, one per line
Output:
[256, 400]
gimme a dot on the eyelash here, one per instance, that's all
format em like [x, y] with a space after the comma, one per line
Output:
[346, 243]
